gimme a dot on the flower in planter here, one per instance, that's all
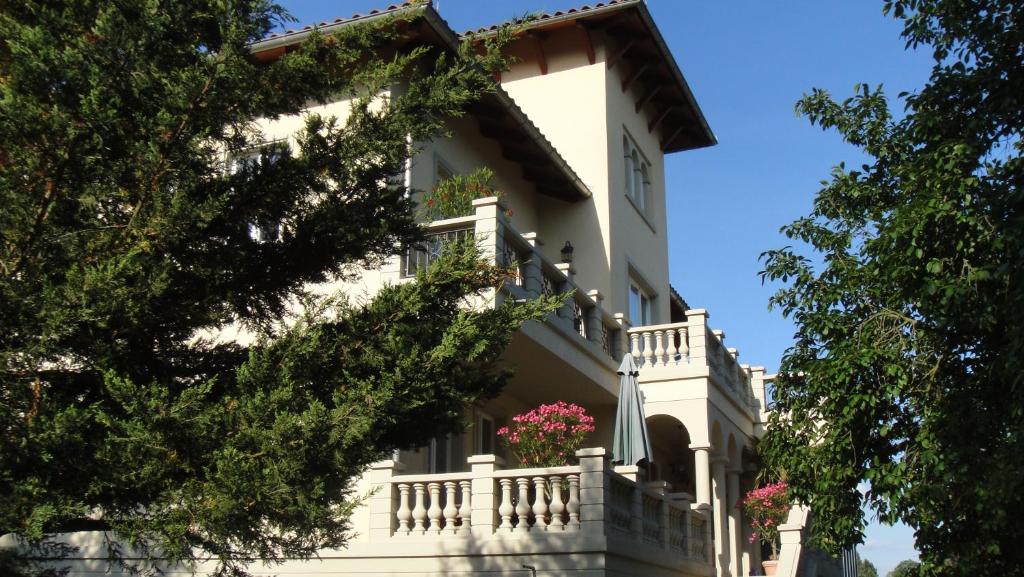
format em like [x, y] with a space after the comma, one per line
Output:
[549, 435]
[766, 508]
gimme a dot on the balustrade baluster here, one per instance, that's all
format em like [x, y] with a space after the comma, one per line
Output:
[523, 506]
[557, 506]
[450, 510]
[684, 345]
[404, 512]
[540, 502]
[434, 512]
[573, 506]
[664, 522]
[634, 345]
[670, 347]
[659, 348]
[506, 509]
[419, 511]
[466, 509]
[648, 350]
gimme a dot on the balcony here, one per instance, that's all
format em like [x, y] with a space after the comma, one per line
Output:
[581, 319]
[586, 508]
[691, 349]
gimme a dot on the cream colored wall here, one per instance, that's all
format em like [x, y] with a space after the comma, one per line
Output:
[567, 105]
[639, 239]
[581, 109]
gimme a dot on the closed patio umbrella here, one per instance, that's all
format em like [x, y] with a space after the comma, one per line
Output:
[630, 443]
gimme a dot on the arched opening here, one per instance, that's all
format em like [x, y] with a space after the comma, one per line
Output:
[673, 459]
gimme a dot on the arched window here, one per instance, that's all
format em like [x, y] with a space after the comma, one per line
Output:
[637, 177]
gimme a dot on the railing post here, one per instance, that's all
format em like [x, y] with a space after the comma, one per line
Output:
[533, 281]
[709, 540]
[383, 513]
[594, 489]
[624, 326]
[595, 320]
[664, 522]
[697, 335]
[636, 512]
[566, 269]
[486, 227]
[485, 499]
[790, 544]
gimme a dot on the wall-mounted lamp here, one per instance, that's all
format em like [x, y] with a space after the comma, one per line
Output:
[567, 252]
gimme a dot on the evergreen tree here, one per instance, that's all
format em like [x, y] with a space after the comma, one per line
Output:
[905, 373]
[129, 237]
[866, 568]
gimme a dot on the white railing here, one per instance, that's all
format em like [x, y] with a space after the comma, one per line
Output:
[434, 504]
[693, 343]
[574, 502]
[539, 500]
[660, 345]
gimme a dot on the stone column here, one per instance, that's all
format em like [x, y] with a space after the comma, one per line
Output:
[486, 498]
[720, 516]
[702, 473]
[595, 466]
[696, 327]
[735, 527]
[383, 505]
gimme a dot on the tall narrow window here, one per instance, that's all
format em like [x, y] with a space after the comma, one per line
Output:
[639, 306]
[636, 175]
[627, 166]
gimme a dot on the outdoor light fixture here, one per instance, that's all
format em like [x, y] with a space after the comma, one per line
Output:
[567, 252]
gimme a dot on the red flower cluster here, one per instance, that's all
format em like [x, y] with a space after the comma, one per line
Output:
[766, 507]
[549, 435]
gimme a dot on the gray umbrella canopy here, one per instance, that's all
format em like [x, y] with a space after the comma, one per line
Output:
[630, 443]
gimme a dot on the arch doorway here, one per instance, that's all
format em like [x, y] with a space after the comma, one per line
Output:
[673, 458]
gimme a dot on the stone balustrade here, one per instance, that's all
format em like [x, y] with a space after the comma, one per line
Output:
[693, 343]
[577, 502]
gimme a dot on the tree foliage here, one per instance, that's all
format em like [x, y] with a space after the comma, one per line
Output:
[910, 328]
[126, 245]
[866, 568]
[905, 568]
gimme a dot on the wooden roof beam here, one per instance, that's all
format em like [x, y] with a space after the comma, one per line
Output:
[659, 118]
[629, 80]
[588, 40]
[664, 143]
[538, 44]
[618, 54]
[651, 93]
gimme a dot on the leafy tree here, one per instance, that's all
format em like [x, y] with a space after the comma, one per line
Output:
[905, 568]
[125, 246]
[866, 568]
[905, 369]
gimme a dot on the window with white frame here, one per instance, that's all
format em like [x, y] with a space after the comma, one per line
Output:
[641, 309]
[636, 174]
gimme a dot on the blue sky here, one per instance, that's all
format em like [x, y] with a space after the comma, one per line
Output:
[747, 62]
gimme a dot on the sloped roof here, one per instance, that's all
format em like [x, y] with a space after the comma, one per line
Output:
[519, 137]
[642, 51]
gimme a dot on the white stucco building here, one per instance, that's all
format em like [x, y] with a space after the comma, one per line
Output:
[576, 137]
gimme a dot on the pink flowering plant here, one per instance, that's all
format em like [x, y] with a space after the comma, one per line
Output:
[549, 435]
[766, 507]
